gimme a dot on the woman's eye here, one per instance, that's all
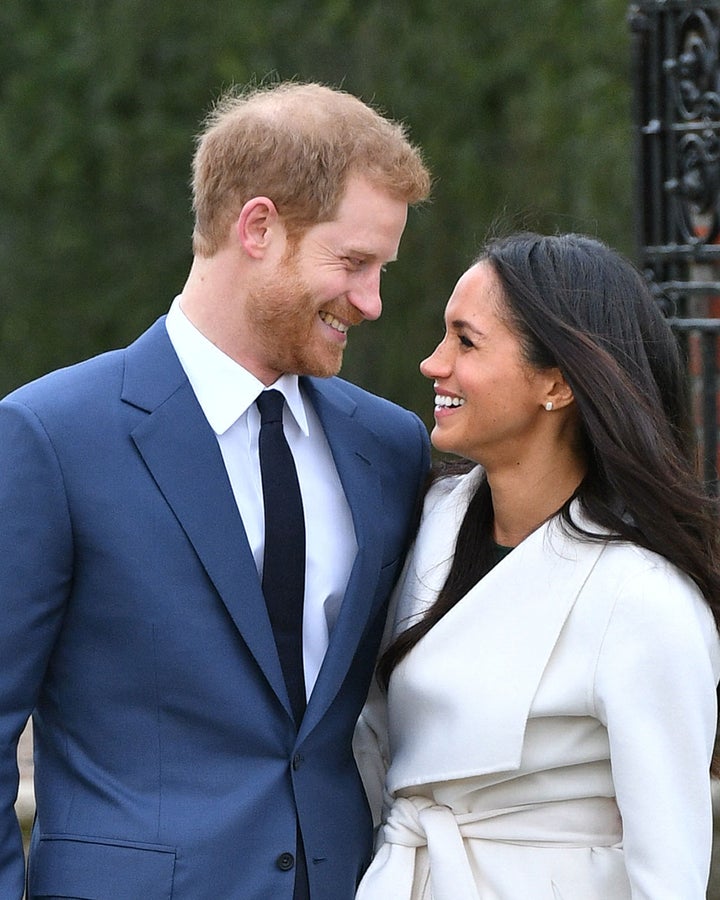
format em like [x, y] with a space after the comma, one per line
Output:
[465, 341]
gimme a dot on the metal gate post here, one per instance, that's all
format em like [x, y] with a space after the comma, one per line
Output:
[676, 111]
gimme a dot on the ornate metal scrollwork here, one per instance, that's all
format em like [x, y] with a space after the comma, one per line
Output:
[694, 82]
[676, 62]
[676, 54]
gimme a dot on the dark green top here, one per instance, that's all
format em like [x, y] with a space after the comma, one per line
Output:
[500, 552]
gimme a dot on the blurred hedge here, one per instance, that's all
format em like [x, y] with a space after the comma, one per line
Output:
[523, 111]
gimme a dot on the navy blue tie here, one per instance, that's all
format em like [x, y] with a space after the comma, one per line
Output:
[283, 580]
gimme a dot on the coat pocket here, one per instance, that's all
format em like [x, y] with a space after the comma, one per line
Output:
[100, 869]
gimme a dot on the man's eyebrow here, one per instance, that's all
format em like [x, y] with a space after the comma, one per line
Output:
[364, 254]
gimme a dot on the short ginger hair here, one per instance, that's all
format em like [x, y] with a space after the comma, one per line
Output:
[297, 144]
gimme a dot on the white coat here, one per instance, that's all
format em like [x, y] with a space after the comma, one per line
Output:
[551, 736]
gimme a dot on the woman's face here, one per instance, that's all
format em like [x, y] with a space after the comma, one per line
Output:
[489, 402]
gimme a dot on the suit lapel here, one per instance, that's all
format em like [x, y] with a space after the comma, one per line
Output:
[182, 454]
[354, 450]
[183, 457]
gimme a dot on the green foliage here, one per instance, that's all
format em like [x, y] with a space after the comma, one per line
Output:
[523, 111]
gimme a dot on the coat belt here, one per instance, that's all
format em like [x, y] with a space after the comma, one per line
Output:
[415, 822]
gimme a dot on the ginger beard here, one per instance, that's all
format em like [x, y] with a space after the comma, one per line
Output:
[283, 314]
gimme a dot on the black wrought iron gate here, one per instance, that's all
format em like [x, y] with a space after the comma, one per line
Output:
[676, 47]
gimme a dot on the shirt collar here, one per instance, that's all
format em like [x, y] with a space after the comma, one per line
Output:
[224, 389]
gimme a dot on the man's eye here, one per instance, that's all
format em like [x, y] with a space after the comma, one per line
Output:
[465, 341]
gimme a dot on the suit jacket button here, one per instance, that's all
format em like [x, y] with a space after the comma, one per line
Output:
[297, 761]
[285, 861]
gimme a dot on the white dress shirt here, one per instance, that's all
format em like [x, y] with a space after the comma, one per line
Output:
[227, 393]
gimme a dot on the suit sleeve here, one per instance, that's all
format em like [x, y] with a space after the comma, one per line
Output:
[424, 469]
[655, 691]
[35, 574]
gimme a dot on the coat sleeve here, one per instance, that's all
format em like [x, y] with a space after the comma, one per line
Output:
[370, 746]
[35, 574]
[655, 691]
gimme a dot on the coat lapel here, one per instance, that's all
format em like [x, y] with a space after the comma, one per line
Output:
[183, 457]
[478, 670]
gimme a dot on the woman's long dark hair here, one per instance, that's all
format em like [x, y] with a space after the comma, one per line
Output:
[578, 305]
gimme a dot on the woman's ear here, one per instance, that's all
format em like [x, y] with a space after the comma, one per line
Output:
[559, 393]
[257, 226]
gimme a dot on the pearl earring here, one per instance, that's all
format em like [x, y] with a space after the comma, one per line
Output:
[549, 405]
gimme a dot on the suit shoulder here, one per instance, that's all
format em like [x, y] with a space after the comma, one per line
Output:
[367, 401]
[70, 385]
[395, 426]
[65, 390]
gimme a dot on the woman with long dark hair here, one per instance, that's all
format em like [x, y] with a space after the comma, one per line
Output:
[553, 655]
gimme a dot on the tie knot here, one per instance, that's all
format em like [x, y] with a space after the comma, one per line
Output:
[270, 404]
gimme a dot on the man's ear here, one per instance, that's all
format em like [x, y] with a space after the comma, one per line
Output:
[559, 392]
[257, 225]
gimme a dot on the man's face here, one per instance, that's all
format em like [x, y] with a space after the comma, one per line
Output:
[326, 282]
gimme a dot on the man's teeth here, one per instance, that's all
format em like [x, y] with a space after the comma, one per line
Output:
[443, 400]
[333, 322]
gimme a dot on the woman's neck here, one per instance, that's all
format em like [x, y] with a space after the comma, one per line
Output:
[523, 501]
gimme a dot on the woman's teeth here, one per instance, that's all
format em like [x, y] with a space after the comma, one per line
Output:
[443, 400]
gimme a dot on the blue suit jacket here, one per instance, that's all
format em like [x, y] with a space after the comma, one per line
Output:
[133, 627]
